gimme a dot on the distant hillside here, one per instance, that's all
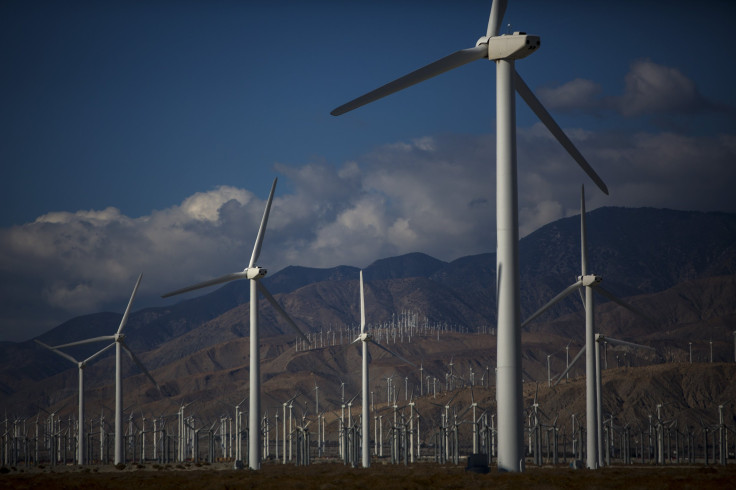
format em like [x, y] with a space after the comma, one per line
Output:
[679, 267]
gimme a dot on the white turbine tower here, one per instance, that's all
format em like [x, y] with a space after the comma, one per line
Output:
[253, 273]
[364, 338]
[119, 341]
[81, 365]
[504, 50]
[591, 283]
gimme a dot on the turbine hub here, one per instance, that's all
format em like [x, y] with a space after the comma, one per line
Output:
[590, 280]
[511, 47]
[255, 272]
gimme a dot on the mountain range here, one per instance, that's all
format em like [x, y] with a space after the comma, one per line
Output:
[679, 267]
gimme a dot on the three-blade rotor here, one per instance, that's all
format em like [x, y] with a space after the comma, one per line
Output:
[251, 272]
[585, 280]
[117, 337]
[365, 337]
[463, 57]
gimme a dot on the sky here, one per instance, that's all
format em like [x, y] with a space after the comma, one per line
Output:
[143, 137]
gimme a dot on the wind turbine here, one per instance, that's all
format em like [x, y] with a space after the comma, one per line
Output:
[119, 341]
[591, 283]
[364, 338]
[253, 273]
[81, 365]
[504, 50]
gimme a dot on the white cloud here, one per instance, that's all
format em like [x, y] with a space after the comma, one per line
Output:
[205, 206]
[576, 94]
[433, 195]
[654, 89]
[650, 89]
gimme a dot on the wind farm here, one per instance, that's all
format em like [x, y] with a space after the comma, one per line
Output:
[440, 411]
[363, 357]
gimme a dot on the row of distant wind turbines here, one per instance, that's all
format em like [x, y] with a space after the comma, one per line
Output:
[504, 50]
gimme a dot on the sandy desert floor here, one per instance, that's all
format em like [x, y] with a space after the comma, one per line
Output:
[380, 476]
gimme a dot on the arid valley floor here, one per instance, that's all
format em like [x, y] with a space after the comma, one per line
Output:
[379, 476]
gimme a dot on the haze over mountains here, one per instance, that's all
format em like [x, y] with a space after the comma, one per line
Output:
[678, 267]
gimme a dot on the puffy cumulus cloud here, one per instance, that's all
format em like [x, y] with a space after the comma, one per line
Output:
[655, 89]
[433, 195]
[578, 94]
[650, 89]
[73, 263]
[205, 206]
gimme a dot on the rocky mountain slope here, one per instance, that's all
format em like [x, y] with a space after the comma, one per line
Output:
[678, 267]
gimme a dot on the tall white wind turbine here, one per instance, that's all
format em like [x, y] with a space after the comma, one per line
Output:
[253, 273]
[591, 283]
[119, 340]
[504, 50]
[81, 365]
[364, 338]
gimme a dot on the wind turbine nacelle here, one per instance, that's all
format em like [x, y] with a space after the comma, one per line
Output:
[590, 280]
[256, 272]
[512, 47]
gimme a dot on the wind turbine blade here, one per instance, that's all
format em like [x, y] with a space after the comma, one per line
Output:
[353, 398]
[453, 397]
[211, 282]
[262, 228]
[98, 353]
[87, 341]
[62, 354]
[498, 8]
[556, 131]
[583, 235]
[362, 305]
[626, 344]
[621, 302]
[554, 300]
[391, 352]
[575, 359]
[130, 303]
[134, 358]
[455, 60]
[462, 414]
[283, 313]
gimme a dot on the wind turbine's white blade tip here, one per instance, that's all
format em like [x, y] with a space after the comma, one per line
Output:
[392, 352]
[130, 303]
[553, 301]
[262, 228]
[135, 359]
[87, 341]
[536, 106]
[498, 8]
[211, 282]
[281, 311]
[362, 305]
[454, 60]
[621, 302]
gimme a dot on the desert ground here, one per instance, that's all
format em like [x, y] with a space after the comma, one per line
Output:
[379, 476]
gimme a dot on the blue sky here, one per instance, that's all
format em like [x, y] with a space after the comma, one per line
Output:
[143, 136]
